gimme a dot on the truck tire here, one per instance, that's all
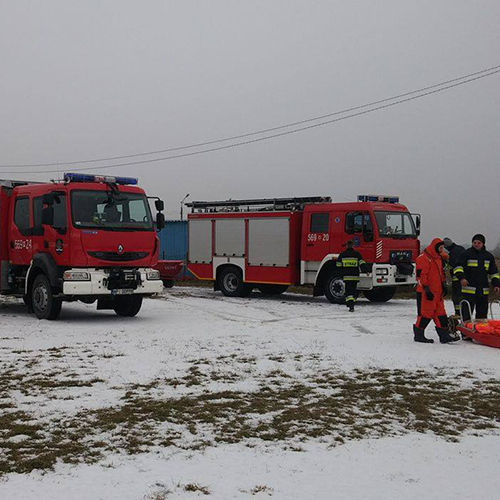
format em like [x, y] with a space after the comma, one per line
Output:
[335, 289]
[231, 283]
[380, 294]
[128, 305]
[44, 305]
[168, 283]
[272, 289]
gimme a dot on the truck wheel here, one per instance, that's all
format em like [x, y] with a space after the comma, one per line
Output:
[231, 283]
[45, 306]
[272, 289]
[168, 283]
[128, 306]
[335, 289]
[380, 294]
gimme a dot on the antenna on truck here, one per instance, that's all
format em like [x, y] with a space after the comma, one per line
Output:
[258, 204]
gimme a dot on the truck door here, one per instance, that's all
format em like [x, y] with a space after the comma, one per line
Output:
[21, 232]
[54, 238]
[359, 228]
[317, 240]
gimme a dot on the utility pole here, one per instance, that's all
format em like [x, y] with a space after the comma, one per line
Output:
[182, 204]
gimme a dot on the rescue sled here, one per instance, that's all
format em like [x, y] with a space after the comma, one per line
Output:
[486, 333]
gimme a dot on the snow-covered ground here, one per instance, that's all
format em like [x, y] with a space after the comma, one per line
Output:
[91, 379]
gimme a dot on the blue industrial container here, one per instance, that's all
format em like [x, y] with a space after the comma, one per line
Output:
[173, 243]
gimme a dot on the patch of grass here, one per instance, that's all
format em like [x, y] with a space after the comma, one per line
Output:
[160, 494]
[332, 405]
[261, 488]
[195, 487]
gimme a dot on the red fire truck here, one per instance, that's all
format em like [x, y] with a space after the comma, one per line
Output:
[271, 244]
[89, 238]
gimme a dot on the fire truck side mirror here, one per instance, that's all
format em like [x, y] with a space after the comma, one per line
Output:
[160, 221]
[159, 205]
[48, 215]
[416, 219]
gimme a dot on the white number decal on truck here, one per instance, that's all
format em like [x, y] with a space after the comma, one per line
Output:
[22, 244]
[318, 237]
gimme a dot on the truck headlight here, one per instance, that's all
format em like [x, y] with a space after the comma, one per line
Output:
[76, 276]
[382, 272]
[153, 275]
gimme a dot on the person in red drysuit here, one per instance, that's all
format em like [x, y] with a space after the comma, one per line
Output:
[431, 290]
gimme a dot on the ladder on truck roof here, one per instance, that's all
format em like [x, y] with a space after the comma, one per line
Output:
[10, 183]
[259, 204]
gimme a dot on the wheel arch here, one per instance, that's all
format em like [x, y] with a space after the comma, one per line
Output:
[328, 265]
[221, 268]
[43, 263]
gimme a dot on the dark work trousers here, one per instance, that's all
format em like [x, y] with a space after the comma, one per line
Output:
[456, 294]
[350, 290]
[477, 301]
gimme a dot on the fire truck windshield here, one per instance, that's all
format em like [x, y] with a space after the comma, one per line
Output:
[110, 211]
[395, 225]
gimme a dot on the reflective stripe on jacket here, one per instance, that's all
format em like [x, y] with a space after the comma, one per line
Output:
[350, 262]
[476, 266]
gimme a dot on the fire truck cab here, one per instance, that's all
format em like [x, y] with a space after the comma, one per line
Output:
[89, 238]
[271, 244]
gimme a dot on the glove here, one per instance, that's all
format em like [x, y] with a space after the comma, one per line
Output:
[428, 294]
[445, 289]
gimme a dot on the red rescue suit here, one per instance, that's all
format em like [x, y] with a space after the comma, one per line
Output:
[430, 287]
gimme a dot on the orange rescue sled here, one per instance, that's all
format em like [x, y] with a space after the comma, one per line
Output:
[486, 333]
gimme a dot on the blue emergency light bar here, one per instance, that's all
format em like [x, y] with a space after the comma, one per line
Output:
[378, 198]
[71, 177]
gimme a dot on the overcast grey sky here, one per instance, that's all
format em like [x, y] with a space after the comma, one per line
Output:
[85, 79]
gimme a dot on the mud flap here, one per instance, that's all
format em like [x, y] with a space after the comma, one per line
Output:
[105, 303]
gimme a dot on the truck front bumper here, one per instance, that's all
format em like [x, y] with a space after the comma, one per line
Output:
[385, 275]
[97, 282]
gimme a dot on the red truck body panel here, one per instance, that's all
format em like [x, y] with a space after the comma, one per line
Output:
[257, 272]
[169, 269]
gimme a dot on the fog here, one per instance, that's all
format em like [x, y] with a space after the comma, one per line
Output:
[89, 79]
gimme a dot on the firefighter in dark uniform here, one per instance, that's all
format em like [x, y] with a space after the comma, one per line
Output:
[454, 252]
[474, 267]
[351, 262]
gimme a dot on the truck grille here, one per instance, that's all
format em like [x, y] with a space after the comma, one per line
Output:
[120, 279]
[118, 257]
[400, 256]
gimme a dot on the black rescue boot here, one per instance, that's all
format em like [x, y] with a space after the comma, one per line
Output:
[351, 308]
[444, 336]
[420, 337]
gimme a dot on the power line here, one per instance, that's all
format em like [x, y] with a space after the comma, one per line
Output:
[249, 134]
[281, 134]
